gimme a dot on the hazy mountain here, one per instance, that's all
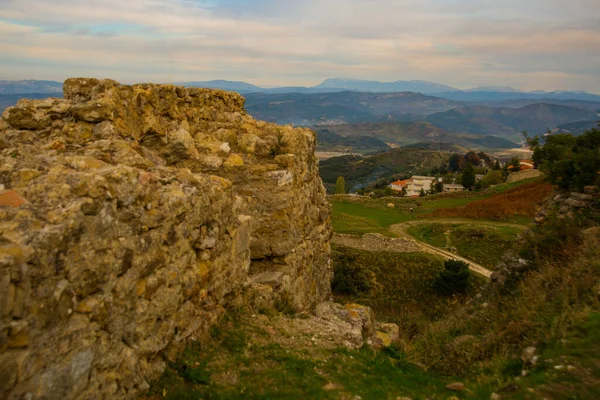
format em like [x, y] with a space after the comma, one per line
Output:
[359, 85]
[343, 107]
[582, 104]
[404, 134]
[360, 171]
[30, 86]
[9, 100]
[535, 118]
[577, 128]
[327, 140]
[487, 96]
[240, 87]
[499, 89]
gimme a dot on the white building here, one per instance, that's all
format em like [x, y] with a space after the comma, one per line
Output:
[453, 187]
[419, 182]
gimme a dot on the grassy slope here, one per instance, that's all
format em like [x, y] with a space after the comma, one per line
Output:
[402, 287]
[363, 215]
[363, 170]
[483, 243]
[556, 308]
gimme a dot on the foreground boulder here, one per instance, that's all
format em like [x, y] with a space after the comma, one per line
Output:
[131, 217]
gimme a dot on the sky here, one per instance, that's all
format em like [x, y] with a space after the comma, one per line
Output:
[527, 44]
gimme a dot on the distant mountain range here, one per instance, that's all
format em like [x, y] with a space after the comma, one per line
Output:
[30, 86]
[381, 135]
[534, 118]
[479, 94]
[447, 115]
[343, 107]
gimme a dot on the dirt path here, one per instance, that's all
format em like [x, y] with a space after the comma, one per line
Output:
[400, 230]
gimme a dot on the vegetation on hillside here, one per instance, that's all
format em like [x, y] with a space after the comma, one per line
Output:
[482, 242]
[400, 287]
[554, 307]
[359, 170]
[521, 201]
[570, 162]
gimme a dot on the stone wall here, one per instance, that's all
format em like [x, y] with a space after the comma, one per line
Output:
[131, 217]
[522, 175]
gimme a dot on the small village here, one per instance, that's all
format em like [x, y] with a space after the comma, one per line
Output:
[420, 186]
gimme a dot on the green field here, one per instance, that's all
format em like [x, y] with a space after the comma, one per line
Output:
[360, 215]
[483, 243]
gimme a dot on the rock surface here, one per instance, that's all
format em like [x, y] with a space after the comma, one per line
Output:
[131, 217]
[522, 175]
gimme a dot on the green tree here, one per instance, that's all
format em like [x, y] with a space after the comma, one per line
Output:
[340, 185]
[491, 178]
[350, 277]
[454, 278]
[497, 166]
[454, 162]
[468, 176]
[422, 193]
[515, 163]
[570, 162]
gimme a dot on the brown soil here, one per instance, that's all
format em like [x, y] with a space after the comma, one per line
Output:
[521, 201]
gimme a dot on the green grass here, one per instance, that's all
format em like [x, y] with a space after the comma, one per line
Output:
[358, 219]
[483, 243]
[263, 370]
[402, 287]
[365, 215]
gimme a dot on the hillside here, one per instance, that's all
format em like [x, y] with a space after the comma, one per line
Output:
[359, 171]
[581, 104]
[9, 100]
[496, 96]
[30, 86]
[535, 118]
[327, 140]
[577, 128]
[409, 133]
[343, 107]
[240, 87]
[360, 85]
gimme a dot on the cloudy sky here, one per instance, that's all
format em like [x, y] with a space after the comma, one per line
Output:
[528, 44]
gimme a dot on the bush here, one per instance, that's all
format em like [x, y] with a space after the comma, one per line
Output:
[454, 278]
[570, 162]
[349, 277]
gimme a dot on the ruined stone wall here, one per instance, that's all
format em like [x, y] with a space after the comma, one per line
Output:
[131, 217]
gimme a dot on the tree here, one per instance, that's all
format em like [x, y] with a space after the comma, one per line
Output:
[350, 277]
[468, 176]
[454, 278]
[340, 185]
[515, 163]
[491, 178]
[454, 163]
[497, 166]
[570, 162]
[422, 193]
[472, 158]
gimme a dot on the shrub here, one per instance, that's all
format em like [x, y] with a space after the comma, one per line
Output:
[454, 278]
[349, 277]
[570, 162]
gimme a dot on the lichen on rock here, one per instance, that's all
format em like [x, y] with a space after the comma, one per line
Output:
[131, 217]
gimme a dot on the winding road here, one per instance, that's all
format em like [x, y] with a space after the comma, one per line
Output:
[400, 231]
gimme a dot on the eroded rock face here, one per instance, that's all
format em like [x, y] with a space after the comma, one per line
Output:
[131, 217]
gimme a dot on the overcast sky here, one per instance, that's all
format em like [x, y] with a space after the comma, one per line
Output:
[527, 44]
